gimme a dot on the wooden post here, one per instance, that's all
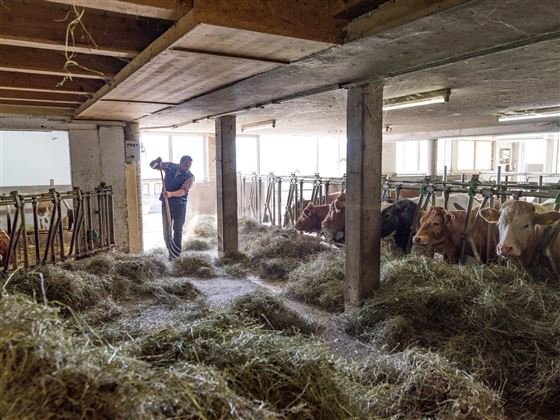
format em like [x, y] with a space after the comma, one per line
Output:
[363, 192]
[226, 185]
[133, 193]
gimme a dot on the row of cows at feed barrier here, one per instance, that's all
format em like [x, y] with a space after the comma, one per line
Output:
[459, 220]
[54, 226]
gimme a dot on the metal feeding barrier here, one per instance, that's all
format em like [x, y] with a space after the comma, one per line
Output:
[51, 236]
[279, 200]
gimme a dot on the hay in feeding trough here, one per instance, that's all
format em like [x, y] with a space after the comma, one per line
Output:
[420, 384]
[193, 266]
[492, 321]
[47, 372]
[274, 253]
[320, 281]
[272, 313]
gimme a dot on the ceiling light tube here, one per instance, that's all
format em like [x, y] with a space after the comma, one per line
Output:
[417, 99]
[258, 125]
[530, 114]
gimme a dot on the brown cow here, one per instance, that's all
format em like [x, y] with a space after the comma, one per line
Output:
[527, 231]
[405, 193]
[312, 217]
[4, 244]
[442, 230]
[335, 219]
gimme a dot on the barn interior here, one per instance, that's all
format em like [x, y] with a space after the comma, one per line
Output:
[275, 304]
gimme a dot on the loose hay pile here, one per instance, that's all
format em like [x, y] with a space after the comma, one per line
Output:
[193, 266]
[102, 281]
[493, 321]
[272, 313]
[46, 372]
[320, 281]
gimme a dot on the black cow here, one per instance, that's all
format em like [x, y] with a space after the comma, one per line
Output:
[398, 218]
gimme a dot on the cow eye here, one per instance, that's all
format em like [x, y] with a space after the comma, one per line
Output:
[435, 224]
[526, 227]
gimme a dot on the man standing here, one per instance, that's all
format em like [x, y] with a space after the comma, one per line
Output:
[178, 181]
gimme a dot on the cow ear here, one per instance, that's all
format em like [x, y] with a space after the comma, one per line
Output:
[546, 218]
[449, 217]
[489, 214]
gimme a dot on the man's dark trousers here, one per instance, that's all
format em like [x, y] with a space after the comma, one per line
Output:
[178, 211]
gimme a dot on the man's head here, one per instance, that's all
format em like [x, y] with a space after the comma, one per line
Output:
[185, 163]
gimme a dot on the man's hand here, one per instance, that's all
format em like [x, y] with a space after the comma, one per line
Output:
[167, 194]
[155, 164]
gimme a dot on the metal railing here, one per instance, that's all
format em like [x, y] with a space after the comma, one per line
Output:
[87, 227]
[280, 200]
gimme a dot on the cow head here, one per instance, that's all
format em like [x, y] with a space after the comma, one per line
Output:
[310, 220]
[434, 227]
[396, 215]
[336, 217]
[518, 223]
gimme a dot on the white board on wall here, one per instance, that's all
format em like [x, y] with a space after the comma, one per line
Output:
[30, 158]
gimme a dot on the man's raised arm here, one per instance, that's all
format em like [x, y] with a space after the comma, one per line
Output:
[158, 164]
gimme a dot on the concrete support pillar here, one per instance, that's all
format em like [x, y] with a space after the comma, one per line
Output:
[363, 202]
[134, 193]
[211, 141]
[432, 157]
[226, 185]
[98, 155]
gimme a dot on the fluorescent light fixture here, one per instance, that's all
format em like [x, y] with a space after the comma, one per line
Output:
[417, 99]
[530, 114]
[258, 125]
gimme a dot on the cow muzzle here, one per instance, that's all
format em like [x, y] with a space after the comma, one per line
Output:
[506, 251]
[419, 240]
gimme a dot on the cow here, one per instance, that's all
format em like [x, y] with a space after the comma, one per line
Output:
[398, 218]
[527, 231]
[335, 219]
[4, 244]
[442, 230]
[312, 217]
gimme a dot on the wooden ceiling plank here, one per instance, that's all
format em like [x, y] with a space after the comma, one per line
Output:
[228, 55]
[42, 96]
[159, 9]
[33, 110]
[38, 104]
[45, 83]
[165, 41]
[38, 61]
[38, 24]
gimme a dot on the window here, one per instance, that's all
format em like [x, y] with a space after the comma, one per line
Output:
[412, 157]
[153, 146]
[444, 155]
[331, 159]
[283, 155]
[46, 156]
[195, 147]
[246, 154]
[533, 155]
[474, 155]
